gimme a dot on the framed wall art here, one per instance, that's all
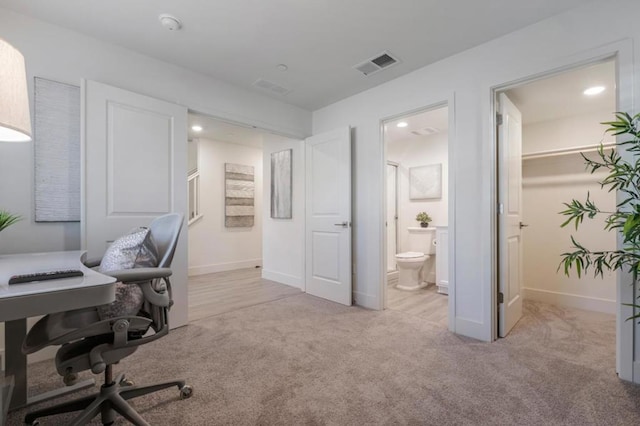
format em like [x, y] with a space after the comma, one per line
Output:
[425, 182]
[239, 196]
[281, 184]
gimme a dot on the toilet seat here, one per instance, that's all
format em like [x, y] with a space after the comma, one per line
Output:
[412, 256]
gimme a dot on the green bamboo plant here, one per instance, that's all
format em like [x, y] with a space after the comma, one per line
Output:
[623, 176]
[7, 219]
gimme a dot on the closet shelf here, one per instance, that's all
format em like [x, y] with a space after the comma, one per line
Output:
[566, 151]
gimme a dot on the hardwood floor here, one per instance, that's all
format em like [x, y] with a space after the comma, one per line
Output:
[220, 292]
[425, 303]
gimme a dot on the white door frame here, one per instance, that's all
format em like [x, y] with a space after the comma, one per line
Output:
[451, 142]
[622, 53]
[395, 165]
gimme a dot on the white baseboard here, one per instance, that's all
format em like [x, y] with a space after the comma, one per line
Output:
[571, 300]
[221, 267]
[279, 277]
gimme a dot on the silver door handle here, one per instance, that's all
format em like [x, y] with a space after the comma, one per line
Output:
[523, 225]
[344, 224]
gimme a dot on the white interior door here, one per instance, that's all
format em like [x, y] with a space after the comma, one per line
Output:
[510, 215]
[134, 169]
[328, 216]
[392, 216]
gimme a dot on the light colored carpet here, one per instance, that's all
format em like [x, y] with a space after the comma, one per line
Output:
[303, 360]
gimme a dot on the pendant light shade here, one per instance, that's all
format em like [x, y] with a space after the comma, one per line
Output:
[15, 121]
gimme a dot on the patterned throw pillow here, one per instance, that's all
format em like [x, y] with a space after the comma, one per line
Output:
[134, 250]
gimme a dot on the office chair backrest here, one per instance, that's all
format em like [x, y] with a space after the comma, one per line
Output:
[165, 231]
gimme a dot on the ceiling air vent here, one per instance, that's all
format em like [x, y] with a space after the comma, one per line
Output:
[270, 86]
[377, 63]
[427, 131]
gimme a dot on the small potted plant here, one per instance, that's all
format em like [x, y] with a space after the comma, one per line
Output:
[7, 219]
[424, 219]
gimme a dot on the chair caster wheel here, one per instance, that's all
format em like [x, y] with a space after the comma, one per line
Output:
[186, 391]
[127, 382]
[70, 379]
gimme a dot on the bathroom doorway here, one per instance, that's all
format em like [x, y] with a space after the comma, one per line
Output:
[417, 170]
[557, 118]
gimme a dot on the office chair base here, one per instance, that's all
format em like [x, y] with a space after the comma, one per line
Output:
[109, 402]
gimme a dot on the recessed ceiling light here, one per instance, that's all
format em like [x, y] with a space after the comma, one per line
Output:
[196, 128]
[282, 67]
[402, 124]
[595, 90]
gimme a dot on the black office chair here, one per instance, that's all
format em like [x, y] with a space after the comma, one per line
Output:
[97, 338]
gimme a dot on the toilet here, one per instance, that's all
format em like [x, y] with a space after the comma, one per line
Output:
[416, 266]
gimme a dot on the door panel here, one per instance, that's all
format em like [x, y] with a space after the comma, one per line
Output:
[326, 261]
[143, 138]
[510, 197]
[134, 152]
[328, 216]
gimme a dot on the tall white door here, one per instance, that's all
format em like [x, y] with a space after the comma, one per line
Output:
[328, 216]
[392, 216]
[134, 169]
[510, 215]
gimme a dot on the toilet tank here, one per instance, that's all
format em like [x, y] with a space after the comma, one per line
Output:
[422, 239]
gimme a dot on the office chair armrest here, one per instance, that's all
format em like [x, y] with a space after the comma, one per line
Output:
[92, 263]
[38, 340]
[139, 275]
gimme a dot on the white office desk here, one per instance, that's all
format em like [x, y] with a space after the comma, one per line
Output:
[21, 301]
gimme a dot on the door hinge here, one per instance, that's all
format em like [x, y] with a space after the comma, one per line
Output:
[500, 208]
[499, 119]
[500, 297]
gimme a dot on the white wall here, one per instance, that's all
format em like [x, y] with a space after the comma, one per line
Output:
[413, 153]
[558, 180]
[466, 81]
[283, 239]
[212, 246]
[58, 54]
[192, 155]
[567, 132]
[66, 56]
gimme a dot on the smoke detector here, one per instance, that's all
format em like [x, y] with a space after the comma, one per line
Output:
[170, 22]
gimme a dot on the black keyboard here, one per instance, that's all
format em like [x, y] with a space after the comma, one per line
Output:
[42, 276]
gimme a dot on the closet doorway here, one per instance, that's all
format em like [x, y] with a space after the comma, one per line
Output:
[545, 125]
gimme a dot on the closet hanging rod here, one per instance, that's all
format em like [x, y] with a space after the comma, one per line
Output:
[567, 151]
